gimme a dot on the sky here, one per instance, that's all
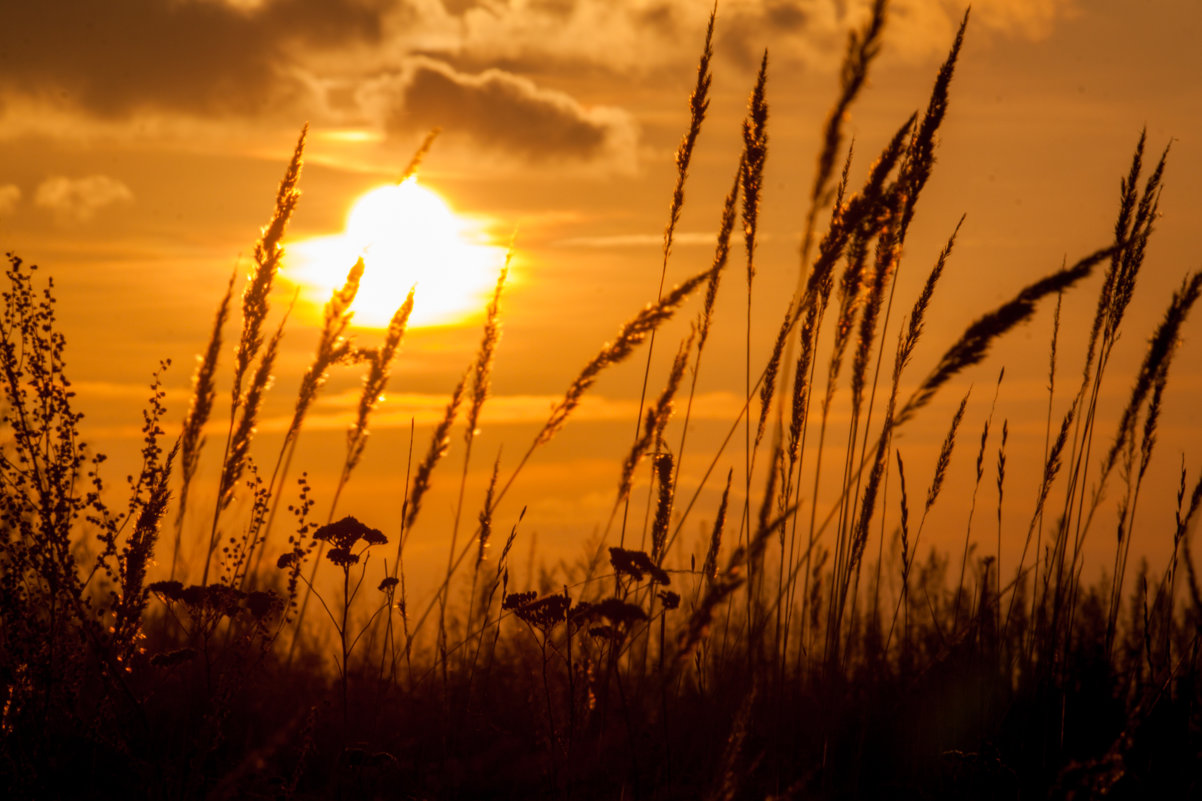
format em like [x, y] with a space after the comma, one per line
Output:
[141, 142]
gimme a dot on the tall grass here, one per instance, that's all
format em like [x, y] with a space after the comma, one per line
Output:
[773, 661]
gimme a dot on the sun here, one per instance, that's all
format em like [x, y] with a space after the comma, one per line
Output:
[408, 236]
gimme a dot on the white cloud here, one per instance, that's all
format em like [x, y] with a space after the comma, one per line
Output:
[10, 194]
[78, 199]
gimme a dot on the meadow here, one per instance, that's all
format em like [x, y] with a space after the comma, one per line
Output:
[810, 647]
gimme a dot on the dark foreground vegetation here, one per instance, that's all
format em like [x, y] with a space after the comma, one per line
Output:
[789, 657]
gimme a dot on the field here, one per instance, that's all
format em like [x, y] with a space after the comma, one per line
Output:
[811, 647]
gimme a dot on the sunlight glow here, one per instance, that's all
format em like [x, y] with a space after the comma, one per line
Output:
[408, 235]
[351, 136]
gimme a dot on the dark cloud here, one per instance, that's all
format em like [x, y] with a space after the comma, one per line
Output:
[664, 18]
[785, 15]
[501, 111]
[198, 56]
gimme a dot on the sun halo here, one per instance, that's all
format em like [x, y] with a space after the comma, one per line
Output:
[408, 236]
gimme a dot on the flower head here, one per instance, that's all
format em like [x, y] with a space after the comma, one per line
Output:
[343, 536]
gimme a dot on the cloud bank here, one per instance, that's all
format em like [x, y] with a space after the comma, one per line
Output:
[493, 71]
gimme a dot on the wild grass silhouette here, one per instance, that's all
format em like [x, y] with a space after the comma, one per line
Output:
[785, 665]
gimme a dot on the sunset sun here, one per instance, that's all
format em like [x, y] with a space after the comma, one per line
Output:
[408, 236]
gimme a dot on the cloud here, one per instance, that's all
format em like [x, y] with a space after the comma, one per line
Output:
[78, 199]
[1031, 19]
[500, 111]
[641, 37]
[10, 194]
[814, 32]
[215, 59]
[195, 56]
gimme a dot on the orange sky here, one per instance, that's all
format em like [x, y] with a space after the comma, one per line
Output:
[141, 142]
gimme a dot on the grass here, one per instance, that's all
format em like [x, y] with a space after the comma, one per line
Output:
[788, 664]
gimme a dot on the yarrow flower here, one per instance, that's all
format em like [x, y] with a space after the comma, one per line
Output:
[343, 536]
[637, 564]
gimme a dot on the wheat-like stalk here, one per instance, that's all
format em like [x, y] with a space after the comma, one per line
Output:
[867, 207]
[484, 537]
[905, 513]
[376, 381]
[920, 160]
[1001, 494]
[482, 370]
[656, 419]
[629, 337]
[663, 464]
[755, 153]
[419, 155]
[203, 395]
[727, 581]
[332, 348]
[268, 254]
[1156, 362]
[1151, 379]
[440, 442]
[885, 266]
[709, 567]
[705, 319]
[862, 48]
[1051, 468]
[245, 429]
[898, 211]
[972, 505]
[974, 343]
[721, 253]
[799, 407]
[486, 513]
[943, 462]
[914, 324]
[241, 435]
[204, 392]
[698, 105]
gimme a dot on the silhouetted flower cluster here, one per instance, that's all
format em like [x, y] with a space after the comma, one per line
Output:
[618, 615]
[343, 536]
[637, 564]
[219, 600]
[542, 613]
